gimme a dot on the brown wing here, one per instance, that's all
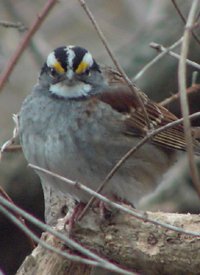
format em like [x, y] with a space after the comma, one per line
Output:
[122, 99]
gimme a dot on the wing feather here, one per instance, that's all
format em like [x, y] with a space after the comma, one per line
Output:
[122, 99]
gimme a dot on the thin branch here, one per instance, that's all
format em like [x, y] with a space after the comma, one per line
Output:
[128, 154]
[183, 94]
[179, 11]
[125, 241]
[100, 197]
[8, 143]
[28, 232]
[184, 20]
[12, 148]
[19, 217]
[161, 48]
[158, 57]
[140, 215]
[118, 66]
[20, 26]
[100, 261]
[25, 41]
[194, 77]
[192, 89]
[155, 60]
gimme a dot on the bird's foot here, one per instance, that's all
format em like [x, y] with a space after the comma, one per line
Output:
[76, 213]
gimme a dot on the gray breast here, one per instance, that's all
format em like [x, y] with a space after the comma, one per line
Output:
[83, 140]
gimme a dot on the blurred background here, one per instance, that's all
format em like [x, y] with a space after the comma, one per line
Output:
[129, 27]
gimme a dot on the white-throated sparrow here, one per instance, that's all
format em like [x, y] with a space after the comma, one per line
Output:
[81, 118]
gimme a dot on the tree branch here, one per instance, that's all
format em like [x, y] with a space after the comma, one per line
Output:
[25, 41]
[133, 244]
[183, 93]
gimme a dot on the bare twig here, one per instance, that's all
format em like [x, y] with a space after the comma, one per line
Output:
[194, 77]
[155, 60]
[169, 99]
[19, 217]
[184, 20]
[128, 154]
[118, 66]
[20, 26]
[8, 143]
[161, 48]
[183, 94]
[192, 89]
[140, 215]
[97, 260]
[127, 238]
[25, 41]
[13, 148]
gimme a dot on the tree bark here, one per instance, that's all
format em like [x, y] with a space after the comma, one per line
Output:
[130, 243]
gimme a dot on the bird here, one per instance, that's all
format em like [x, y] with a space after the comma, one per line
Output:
[80, 120]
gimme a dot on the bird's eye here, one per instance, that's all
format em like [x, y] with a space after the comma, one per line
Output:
[87, 71]
[53, 72]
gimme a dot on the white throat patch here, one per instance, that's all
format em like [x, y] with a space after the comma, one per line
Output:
[62, 90]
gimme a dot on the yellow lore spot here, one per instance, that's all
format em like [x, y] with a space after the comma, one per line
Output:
[82, 67]
[58, 67]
